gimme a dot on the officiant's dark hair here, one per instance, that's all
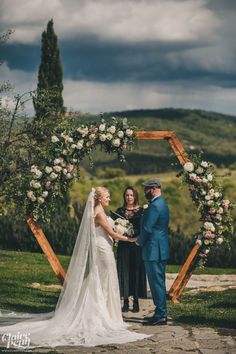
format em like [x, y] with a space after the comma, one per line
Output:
[135, 193]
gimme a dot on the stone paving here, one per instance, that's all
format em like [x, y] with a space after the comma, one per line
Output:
[170, 338]
[164, 339]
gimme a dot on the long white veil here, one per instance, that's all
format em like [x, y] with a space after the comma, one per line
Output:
[81, 316]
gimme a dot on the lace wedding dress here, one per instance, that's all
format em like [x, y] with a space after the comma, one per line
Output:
[88, 311]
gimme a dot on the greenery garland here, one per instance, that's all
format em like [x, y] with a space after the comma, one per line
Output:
[207, 195]
[50, 179]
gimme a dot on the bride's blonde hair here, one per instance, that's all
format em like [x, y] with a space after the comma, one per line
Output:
[99, 192]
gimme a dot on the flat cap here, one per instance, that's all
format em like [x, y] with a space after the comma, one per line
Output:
[155, 182]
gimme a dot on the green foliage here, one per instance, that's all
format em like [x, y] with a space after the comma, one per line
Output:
[110, 172]
[48, 101]
[206, 309]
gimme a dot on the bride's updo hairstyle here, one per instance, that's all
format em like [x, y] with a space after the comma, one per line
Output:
[99, 192]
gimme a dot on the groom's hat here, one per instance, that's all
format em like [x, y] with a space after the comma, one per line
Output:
[155, 182]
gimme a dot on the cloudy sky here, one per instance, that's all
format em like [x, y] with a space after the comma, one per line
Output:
[120, 55]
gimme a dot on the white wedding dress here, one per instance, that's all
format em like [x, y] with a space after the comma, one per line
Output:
[88, 311]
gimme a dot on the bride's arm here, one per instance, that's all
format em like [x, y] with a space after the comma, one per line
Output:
[102, 221]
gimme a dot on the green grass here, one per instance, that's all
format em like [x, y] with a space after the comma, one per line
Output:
[18, 270]
[206, 309]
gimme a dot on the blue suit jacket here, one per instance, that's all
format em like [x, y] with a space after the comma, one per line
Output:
[154, 231]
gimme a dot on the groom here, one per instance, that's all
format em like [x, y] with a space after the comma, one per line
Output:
[155, 249]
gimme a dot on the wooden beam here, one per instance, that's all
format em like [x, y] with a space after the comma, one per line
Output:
[180, 280]
[178, 149]
[153, 135]
[47, 249]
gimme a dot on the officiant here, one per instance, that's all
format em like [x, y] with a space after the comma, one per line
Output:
[130, 266]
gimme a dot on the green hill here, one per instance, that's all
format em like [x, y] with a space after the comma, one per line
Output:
[211, 133]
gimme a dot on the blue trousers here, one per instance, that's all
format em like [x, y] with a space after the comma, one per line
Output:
[156, 278]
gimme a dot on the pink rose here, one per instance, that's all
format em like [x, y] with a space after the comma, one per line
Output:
[192, 188]
[48, 185]
[212, 211]
[197, 179]
[69, 167]
[226, 203]
[209, 234]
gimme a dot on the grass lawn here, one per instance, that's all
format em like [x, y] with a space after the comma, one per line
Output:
[19, 270]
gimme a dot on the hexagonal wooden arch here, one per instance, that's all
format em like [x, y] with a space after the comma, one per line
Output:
[186, 271]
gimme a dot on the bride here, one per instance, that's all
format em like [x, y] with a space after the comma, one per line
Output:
[88, 310]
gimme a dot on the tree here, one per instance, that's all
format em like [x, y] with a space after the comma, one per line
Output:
[49, 98]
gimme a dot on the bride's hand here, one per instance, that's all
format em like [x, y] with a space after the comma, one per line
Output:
[132, 239]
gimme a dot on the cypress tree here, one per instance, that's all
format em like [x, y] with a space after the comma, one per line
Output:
[49, 89]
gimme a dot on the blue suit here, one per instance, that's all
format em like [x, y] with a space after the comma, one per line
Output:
[155, 250]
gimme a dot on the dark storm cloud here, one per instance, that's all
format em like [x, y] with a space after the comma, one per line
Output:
[90, 58]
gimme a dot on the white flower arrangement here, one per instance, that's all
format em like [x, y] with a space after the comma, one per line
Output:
[124, 227]
[67, 150]
[214, 209]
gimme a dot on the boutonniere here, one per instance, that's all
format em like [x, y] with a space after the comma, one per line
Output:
[145, 206]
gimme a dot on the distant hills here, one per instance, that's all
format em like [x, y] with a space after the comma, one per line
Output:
[211, 133]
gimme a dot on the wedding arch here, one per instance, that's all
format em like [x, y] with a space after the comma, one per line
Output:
[67, 149]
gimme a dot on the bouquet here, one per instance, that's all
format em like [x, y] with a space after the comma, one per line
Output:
[124, 227]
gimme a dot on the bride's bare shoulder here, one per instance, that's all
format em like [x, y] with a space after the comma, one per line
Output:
[99, 213]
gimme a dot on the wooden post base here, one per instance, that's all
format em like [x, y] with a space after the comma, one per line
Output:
[47, 249]
[184, 275]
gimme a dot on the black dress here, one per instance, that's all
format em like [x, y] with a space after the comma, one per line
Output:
[130, 266]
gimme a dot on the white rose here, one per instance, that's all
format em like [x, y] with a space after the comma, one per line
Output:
[210, 202]
[208, 197]
[120, 134]
[116, 142]
[92, 136]
[219, 240]
[41, 200]
[102, 127]
[206, 242]
[109, 136]
[211, 191]
[203, 192]
[217, 194]
[38, 174]
[69, 176]
[31, 196]
[53, 175]
[48, 169]
[57, 168]
[64, 152]
[220, 210]
[102, 137]
[209, 177]
[35, 184]
[129, 132]
[57, 161]
[188, 167]
[199, 170]
[54, 139]
[64, 171]
[145, 206]
[204, 164]
[111, 129]
[204, 180]
[209, 226]
[75, 160]
[45, 194]
[79, 144]
[73, 146]
[207, 250]
[192, 175]
[70, 140]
